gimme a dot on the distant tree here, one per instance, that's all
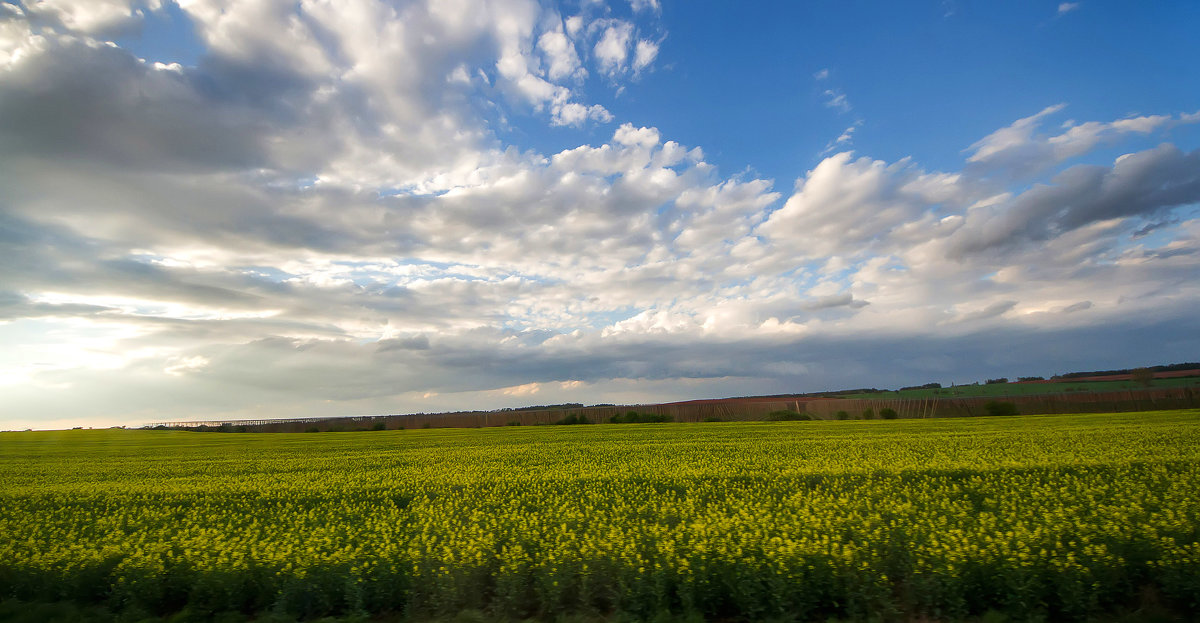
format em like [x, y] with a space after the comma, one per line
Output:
[925, 386]
[633, 417]
[379, 426]
[888, 413]
[996, 408]
[1142, 376]
[868, 414]
[786, 415]
[1000, 380]
[842, 415]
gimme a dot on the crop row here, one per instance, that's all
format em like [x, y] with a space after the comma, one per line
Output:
[1067, 516]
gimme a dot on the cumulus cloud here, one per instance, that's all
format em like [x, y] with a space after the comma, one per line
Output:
[560, 55]
[93, 16]
[847, 204]
[612, 50]
[320, 217]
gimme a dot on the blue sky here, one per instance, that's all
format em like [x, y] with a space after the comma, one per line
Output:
[257, 208]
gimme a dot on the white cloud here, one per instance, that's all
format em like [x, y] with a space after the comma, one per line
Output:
[1067, 7]
[1020, 151]
[612, 50]
[560, 55]
[527, 389]
[92, 16]
[843, 141]
[574, 25]
[846, 205]
[1011, 138]
[837, 100]
[645, 5]
[822, 74]
[644, 54]
[180, 366]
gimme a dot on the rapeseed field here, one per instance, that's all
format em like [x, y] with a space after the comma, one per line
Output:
[1053, 517]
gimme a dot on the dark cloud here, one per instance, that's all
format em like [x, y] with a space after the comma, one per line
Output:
[1077, 307]
[836, 300]
[1144, 184]
[87, 102]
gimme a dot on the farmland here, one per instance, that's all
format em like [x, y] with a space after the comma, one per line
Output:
[1030, 389]
[1063, 517]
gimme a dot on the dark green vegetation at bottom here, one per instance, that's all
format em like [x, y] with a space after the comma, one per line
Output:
[1054, 517]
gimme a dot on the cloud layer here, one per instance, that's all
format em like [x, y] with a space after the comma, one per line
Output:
[320, 217]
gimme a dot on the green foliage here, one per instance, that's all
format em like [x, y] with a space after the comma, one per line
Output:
[380, 425]
[633, 417]
[312, 429]
[868, 414]
[713, 418]
[888, 413]
[574, 418]
[513, 423]
[842, 415]
[787, 415]
[997, 408]
[1035, 518]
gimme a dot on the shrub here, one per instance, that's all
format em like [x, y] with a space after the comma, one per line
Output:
[312, 429]
[574, 419]
[713, 418]
[513, 423]
[868, 414]
[787, 415]
[888, 413]
[997, 408]
[842, 415]
[1142, 376]
[379, 426]
[633, 417]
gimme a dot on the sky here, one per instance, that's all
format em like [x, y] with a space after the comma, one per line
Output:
[223, 209]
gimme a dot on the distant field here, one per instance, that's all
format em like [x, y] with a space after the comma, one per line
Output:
[1027, 389]
[1055, 516]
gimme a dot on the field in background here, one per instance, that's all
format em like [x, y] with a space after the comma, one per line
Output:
[1076, 396]
[995, 390]
[1066, 516]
